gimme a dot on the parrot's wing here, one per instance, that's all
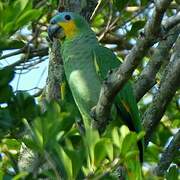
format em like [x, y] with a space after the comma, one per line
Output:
[105, 60]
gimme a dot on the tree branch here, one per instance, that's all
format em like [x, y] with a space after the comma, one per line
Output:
[117, 79]
[120, 41]
[55, 73]
[169, 84]
[171, 21]
[161, 54]
[168, 155]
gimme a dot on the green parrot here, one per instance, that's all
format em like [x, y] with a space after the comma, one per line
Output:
[86, 64]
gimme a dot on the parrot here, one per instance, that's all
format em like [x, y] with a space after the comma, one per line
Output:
[86, 65]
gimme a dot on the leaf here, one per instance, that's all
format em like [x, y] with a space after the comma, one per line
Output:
[121, 4]
[20, 5]
[8, 27]
[21, 175]
[129, 144]
[8, 44]
[66, 161]
[6, 121]
[67, 122]
[1, 174]
[172, 173]
[144, 2]
[116, 137]
[6, 75]
[141, 135]
[98, 20]
[161, 136]
[99, 152]
[77, 158]
[136, 26]
[23, 106]
[11, 143]
[28, 16]
[38, 133]
[152, 152]
[90, 140]
[109, 149]
[6, 93]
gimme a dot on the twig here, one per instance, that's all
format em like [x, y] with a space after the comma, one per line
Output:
[95, 10]
[20, 51]
[108, 23]
[168, 155]
[169, 84]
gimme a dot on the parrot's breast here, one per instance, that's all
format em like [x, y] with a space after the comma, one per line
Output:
[81, 72]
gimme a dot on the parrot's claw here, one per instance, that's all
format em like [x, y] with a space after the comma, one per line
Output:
[93, 113]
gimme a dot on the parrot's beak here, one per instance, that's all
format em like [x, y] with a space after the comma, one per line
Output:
[55, 31]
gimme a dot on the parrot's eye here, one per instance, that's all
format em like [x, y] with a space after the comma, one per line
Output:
[67, 17]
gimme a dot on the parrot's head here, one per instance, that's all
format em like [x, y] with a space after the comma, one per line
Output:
[67, 25]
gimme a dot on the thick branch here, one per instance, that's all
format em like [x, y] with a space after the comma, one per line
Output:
[169, 84]
[171, 21]
[120, 41]
[168, 155]
[117, 79]
[40, 52]
[55, 72]
[161, 54]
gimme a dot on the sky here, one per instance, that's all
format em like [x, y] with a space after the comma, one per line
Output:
[36, 77]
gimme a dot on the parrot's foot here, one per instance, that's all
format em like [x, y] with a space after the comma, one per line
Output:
[93, 113]
[95, 123]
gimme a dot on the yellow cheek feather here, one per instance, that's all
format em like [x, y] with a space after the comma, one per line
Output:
[69, 28]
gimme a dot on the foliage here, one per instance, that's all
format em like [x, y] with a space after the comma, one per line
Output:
[55, 135]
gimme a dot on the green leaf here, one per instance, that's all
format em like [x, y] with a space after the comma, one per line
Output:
[152, 153]
[109, 149]
[21, 175]
[67, 122]
[6, 93]
[6, 121]
[129, 144]
[8, 44]
[172, 173]
[66, 161]
[161, 136]
[38, 133]
[77, 158]
[98, 20]
[90, 140]
[116, 136]
[23, 106]
[9, 27]
[1, 174]
[100, 152]
[141, 135]
[28, 16]
[11, 143]
[6, 75]
[121, 4]
[136, 26]
[19, 5]
[144, 2]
